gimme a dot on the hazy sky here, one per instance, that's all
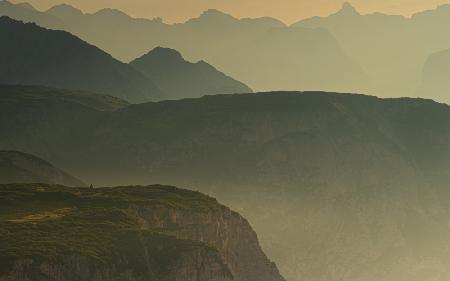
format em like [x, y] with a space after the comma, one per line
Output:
[286, 10]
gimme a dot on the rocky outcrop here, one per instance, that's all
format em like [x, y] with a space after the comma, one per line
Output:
[225, 230]
[127, 233]
[198, 265]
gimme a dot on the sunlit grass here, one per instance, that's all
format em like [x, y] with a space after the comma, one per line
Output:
[43, 221]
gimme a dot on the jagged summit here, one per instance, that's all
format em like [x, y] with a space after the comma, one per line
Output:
[348, 9]
[182, 79]
[215, 13]
[212, 15]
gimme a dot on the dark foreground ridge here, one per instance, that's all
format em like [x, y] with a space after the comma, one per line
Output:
[52, 232]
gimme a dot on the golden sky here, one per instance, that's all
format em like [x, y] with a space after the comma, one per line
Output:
[288, 11]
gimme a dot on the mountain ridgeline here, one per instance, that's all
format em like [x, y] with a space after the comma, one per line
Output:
[338, 186]
[393, 50]
[263, 53]
[344, 52]
[435, 80]
[59, 59]
[179, 78]
[134, 233]
[357, 185]
[21, 167]
[37, 56]
[28, 13]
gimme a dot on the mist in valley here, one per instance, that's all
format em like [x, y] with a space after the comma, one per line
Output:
[241, 148]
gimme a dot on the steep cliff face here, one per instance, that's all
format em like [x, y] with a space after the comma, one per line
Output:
[196, 265]
[225, 230]
[338, 186]
[126, 233]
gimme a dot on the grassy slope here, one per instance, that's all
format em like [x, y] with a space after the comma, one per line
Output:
[49, 221]
[35, 94]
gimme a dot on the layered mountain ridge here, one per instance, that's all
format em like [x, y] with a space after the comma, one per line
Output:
[338, 186]
[367, 53]
[393, 50]
[360, 182]
[253, 51]
[179, 78]
[37, 56]
[59, 59]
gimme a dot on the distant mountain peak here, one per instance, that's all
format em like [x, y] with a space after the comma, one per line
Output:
[70, 63]
[214, 12]
[112, 13]
[213, 15]
[64, 8]
[348, 9]
[183, 79]
[26, 5]
[6, 3]
[443, 8]
[166, 54]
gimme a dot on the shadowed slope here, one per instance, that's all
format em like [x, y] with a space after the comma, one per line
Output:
[263, 53]
[20, 167]
[179, 78]
[338, 186]
[37, 56]
[27, 13]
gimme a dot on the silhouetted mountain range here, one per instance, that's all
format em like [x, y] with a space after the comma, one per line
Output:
[179, 78]
[338, 186]
[27, 13]
[36, 56]
[357, 185]
[59, 59]
[435, 77]
[262, 53]
[383, 54]
[20, 167]
[391, 49]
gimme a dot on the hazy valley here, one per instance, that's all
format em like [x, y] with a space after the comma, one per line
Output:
[334, 167]
[378, 54]
[303, 130]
